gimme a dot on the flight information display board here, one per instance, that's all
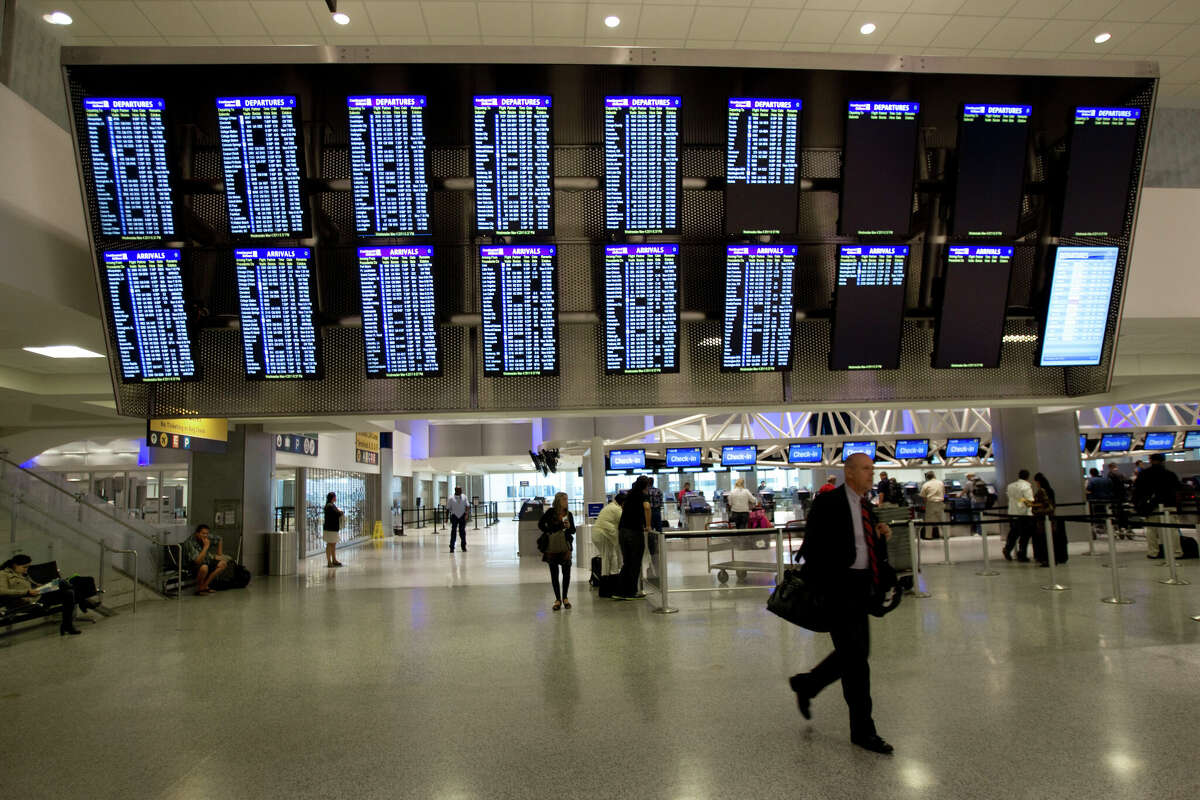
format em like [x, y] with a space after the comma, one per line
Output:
[878, 167]
[279, 339]
[127, 142]
[970, 327]
[398, 314]
[514, 173]
[148, 315]
[762, 154]
[262, 151]
[992, 140]
[868, 307]
[388, 166]
[1077, 314]
[758, 307]
[1101, 156]
[520, 310]
[641, 308]
[641, 164]
[805, 453]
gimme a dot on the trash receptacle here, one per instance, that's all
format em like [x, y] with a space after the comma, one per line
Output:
[281, 553]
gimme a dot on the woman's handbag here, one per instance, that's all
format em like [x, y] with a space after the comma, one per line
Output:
[801, 603]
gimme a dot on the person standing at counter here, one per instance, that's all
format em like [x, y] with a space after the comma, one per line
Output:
[934, 493]
[635, 524]
[558, 528]
[740, 501]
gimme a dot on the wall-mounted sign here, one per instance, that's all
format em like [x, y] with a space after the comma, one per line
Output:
[199, 435]
[304, 444]
[366, 448]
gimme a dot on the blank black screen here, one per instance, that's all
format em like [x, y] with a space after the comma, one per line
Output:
[1100, 166]
[991, 169]
[974, 299]
[877, 168]
[868, 307]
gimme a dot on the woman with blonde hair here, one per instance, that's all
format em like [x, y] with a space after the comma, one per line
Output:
[558, 537]
[740, 501]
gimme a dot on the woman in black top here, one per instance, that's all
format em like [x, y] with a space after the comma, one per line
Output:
[631, 533]
[329, 530]
[1044, 501]
[558, 527]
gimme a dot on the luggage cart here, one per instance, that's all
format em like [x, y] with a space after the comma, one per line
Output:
[730, 545]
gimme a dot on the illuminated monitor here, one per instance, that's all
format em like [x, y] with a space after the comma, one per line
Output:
[758, 307]
[739, 455]
[514, 170]
[1159, 441]
[974, 299]
[1100, 157]
[388, 165]
[278, 335]
[626, 459]
[262, 151]
[398, 311]
[868, 307]
[762, 172]
[962, 448]
[641, 164]
[641, 309]
[683, 457]
[147, 315]
[1191, 440]
[850, 448]
[520, 310]
[806, 453]
[992, 142]
[1080, 300]
[1083, 442]
[878, 168]
[912, 448]
[1116, 442]
[127, 148]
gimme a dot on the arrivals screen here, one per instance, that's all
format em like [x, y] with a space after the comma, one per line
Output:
[641, 164]
[878, 167]
[149, 321]
[1100, 154]
[127, 143]
[387, 165]
[807, 453]
[758, 307]
[912, 448]
[683, 456]
[262, 150]
[991, 169]
[762, 188]
[1115, 442]
[1077, 314]
[970, 327]
[850, 448]
[626, 459]
[398, 314]
[1191, 439]
[739, 455]
[514, 176]
[962, 448]
[868, 307]
[641, 308]
[520, 312]
[1160, 441]
[279, 338]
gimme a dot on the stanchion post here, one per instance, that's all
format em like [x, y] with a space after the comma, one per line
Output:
[915, 545]
[945, 562]
[663, 590]
[1169, 550]
[1054, 585]
[778, 555]
[1116, 599]
[987, 571]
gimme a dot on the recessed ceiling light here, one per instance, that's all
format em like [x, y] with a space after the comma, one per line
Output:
[612, 20]
[58, 18]
[63, 351]
[341, 19]
[867, 29]
[1101, 38]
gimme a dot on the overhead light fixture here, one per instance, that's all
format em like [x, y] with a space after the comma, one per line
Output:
[612, 20]
[1101, 38]
[341, 19]
[63, 351]
[58, 18]
[867, 28]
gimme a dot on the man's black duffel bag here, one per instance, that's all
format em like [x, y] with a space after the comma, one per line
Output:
[800, 603]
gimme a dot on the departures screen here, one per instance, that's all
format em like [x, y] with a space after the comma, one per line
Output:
[398, 314]
[762, 188]
[514, 176]
[974, 301]
[520, 311]
[878, 167]
[1077, 314]
[641, 164]
[387, 165]
[1101, 155]
[278, 336]
[148, 315]
[263, 155]
[868, 307]
[127, 146]
[758, 307]
[641, 308]
[991, 169]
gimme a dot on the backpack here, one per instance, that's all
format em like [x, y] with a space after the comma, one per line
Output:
[980, 489]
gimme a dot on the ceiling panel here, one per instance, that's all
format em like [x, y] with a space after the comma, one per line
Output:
[396, 19]
[768, 24]
[120, 18]
[935, 6]
[175, 17]
[1037, 9]
[1143, 39]
[1087, 9]
[1186, 43]
[1187, 11]
[850, 34]
[916, 29]
[896, 6]
[624, 33]
[506, 19]
[287, 17]
[665, 21]
[987, 8]
[1056, 35]
[450, 18]
[818, 25]
[560, 19]
[1120, 31]
[1011, 34]
[1136, 10]
[717, 23]
[231, 18]
[964, 31]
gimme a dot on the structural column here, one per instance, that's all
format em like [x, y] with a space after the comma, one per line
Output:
[1048, 443]
[385, 482]
[236, 485]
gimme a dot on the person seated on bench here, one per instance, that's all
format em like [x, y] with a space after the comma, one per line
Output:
[200, 560]
[16, 589]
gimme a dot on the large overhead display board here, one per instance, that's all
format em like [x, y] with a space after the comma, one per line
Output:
[520, 310]
[1078, 311]
[758, 307]
[388, 162]
[127, 147]
[878, 167]
[641, 164]
[514, 173]
[992, 143]
[278, 336]
[263, 157]
[398, 314]
[762, 169]
[868, 307]
[641, 308]
[148, 315]
[973, 303]
[1102, 149]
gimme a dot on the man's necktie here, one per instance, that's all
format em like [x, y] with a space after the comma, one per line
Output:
[869, 538]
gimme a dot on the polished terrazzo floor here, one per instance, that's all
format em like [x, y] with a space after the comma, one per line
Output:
[413, 673]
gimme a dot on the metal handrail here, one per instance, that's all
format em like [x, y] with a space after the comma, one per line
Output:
[129, 551]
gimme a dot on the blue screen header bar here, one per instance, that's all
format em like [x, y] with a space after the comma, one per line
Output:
[875, 250]
[964, 251]
[386, 101]
[883, 107]
[765, 102]
[518, 250]
[395, 252]
[281, 101]
[1087, 112]
[641, 249]
[641, 101]
[125, 256]
[513, 101]
[762, 250]
[106, 103]
[997, 111]
[273, 252]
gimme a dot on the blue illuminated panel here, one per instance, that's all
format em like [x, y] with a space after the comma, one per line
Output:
[520, 312]
[641, 316]
[1101, 153]
[387, 165]
[970, 327]
[396, 287]
[761, 165]
[1116, 442]
[758, 307]
[1080, 298]
[878, 168]
[850, 448]
[641, 164]
[683, 456]
[868, 307]
[810, 453]
[147, 311]
[263, 155]
[1160, 441]
[739, 455]
[1083, 442]
[127, 142]
[962, 448]
[1191, 440]
[912, 448]
[513, 171]
[278, 336]
[626, 459]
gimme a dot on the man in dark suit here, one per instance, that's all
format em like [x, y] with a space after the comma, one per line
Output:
[843, 548]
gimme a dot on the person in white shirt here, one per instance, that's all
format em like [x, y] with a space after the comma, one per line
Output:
[740, 500]
[460, 511]
[934, 493]
[1020, 508]
[608, 545]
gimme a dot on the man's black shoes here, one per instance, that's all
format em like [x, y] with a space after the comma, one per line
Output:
[875, 744]
[803, 698]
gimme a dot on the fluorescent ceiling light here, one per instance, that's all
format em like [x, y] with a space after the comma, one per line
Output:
[58, 18]
[63, 351]
[612, 20]
[867, 29]
[341, 19]
[1101, 38]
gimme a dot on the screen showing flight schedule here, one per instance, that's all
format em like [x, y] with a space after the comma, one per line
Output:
[262, 151]
[514, 176]
[148, 315]
[868, 307]
[398, 313]
[992, 140]
[970, 326]
[127, 143]
[387, 164]
[641, 308]
[762, 188]
[279, 338]
[520, 311]
[1100, 154]
[878, 167]
[1077, 314]
[641, 164]
[758, 307]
